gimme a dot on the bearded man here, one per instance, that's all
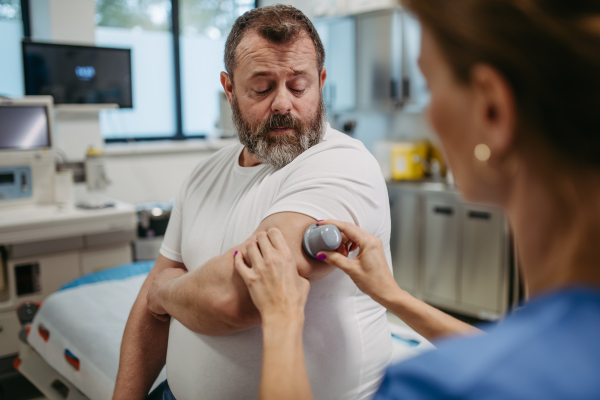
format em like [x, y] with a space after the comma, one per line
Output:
[290, 170]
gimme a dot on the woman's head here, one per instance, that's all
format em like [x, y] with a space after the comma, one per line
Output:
[514, 75]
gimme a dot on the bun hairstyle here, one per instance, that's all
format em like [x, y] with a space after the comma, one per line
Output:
[548, 50]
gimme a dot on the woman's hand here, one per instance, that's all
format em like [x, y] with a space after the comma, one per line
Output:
[369, 270]
[276, 289]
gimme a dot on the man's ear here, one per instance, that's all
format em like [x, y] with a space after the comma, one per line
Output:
[227, 86]
[323, 77]
[495, 111]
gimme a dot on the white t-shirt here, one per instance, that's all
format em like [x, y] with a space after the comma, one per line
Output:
[346, 336]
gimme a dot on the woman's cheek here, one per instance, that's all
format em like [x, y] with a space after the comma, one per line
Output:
[436, 118]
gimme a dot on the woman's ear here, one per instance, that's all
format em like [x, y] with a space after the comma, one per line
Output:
[495, 111]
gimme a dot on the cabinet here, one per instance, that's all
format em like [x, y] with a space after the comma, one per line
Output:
[483, 256]
[416, 93]
[388, 48]
[341, 64]
[313, 8]
[9, 333]
[379, 60]
[44, 247]
[449, 253]
[440, 248]
[338, 36]
[361, 6]
[405, 214]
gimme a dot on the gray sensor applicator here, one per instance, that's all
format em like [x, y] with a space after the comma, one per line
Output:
[321, 238]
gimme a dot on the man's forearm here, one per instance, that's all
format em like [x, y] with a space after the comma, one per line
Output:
[211, 300]
[143, 352]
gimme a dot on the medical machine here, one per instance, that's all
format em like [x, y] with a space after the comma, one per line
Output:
[45, 242]
[78, 74]
[26, 152]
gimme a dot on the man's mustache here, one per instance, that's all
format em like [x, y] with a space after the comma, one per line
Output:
[287, 121]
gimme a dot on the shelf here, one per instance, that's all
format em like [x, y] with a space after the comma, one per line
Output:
[83, 108]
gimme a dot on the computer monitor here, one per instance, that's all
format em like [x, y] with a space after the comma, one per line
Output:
[74, 74]
[26, 124]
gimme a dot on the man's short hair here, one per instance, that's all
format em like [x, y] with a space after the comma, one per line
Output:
[278, 24]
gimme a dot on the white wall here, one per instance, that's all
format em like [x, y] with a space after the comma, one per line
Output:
[149, 177]
[70, 21]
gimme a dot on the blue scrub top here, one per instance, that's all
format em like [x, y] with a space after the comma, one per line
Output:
[549, 349]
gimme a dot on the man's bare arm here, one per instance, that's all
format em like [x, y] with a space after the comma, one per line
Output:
[144, 346]
[213, 299]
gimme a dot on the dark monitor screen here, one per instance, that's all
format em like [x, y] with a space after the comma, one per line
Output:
[24, 127]
[78, 74]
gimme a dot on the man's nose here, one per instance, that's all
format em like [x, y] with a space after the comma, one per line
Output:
[282, 103]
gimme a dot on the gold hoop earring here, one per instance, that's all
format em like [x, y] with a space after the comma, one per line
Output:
[509, 167]
[482, 152]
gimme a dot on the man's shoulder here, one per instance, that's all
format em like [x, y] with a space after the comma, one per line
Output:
[336, 139]
[338, 148]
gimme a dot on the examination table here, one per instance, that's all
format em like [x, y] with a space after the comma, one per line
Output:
[71, 349]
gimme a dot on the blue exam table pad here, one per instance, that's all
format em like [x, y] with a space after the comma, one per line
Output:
[110, 274]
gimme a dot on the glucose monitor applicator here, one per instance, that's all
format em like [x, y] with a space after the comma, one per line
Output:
[321, 238]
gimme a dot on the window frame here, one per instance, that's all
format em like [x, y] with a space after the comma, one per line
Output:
[174, 27]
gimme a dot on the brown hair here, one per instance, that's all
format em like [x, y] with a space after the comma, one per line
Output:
[278, 24]
[548, 50]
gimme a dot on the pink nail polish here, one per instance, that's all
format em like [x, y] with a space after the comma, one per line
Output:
[321, 257]
[235, 253]
[321, 220]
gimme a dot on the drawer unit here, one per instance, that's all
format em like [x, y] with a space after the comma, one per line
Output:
[404, 241]
[35, 278]
[9, 333]
[440, 248]
[482, 278]
[449, 253]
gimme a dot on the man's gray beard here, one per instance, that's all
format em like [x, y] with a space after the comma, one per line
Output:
[279, 150]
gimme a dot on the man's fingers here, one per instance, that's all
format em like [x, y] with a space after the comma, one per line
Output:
[353, 232]
[336, 259]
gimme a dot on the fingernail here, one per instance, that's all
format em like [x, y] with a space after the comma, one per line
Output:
[235, 254]
[321, 220]
[321, 257]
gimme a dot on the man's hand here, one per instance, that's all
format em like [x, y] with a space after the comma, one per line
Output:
[159, 286]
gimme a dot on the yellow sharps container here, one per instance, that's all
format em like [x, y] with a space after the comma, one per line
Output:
[409, 160]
